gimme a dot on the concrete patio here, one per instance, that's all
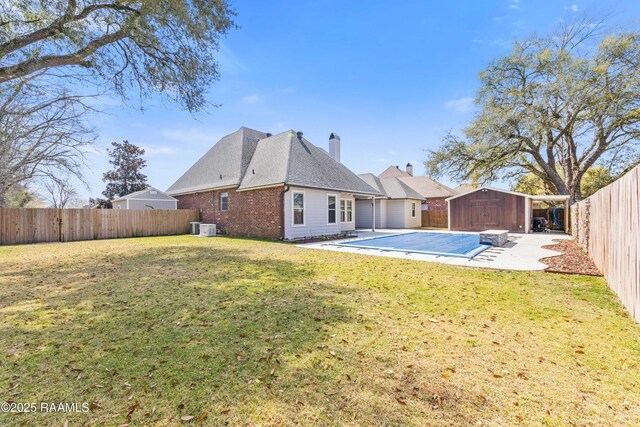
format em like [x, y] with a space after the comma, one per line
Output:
[522, 251]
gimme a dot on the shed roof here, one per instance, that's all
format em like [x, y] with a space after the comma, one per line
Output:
[146, 194]
[515, 193]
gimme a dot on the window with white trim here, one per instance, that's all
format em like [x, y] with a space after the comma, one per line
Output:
[224, 201]
[331, 209]
[413, 209]
[346, 210]
[298, 207]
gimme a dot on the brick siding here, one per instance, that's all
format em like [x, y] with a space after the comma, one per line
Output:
[255, 213]
[436, 204]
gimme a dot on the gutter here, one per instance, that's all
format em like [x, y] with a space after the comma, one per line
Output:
[285, 189]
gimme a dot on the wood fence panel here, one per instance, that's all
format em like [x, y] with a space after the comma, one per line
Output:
[66, 225]
[607, 226]
[437, 219]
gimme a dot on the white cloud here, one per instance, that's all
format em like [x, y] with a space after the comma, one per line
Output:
[189, 136]
[251, 99]
[461, 105]
[478, 41]
[154, 151]
[573, 8]
[393, 153]
[514, 6]
[382, 160]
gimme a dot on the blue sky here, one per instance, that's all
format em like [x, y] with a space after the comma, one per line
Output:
[391, 78]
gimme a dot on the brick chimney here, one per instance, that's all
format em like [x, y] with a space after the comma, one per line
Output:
[409, 169]
[334, 146]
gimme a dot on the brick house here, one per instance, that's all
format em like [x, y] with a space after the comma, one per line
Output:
[255, 184]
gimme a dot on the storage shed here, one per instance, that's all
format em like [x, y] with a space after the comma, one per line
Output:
[150, 198]
[494, 209]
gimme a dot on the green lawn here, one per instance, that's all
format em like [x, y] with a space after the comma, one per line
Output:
[246, 332]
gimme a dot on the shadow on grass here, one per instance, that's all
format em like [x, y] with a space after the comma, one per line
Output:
[178, 329]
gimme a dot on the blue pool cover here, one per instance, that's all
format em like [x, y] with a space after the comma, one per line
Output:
[447, 244]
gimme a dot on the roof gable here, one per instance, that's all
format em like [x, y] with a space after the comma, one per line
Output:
[393, 171]
[147, 193]
[515, 193]
[427, 187]
[286, 159]
[223, 165]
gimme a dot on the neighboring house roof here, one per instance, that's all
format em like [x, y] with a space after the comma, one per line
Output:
[147, 194]
[463, 188]
[427, 187]
[223, 165]
[265, 161]
[392, 187]
[393, 171]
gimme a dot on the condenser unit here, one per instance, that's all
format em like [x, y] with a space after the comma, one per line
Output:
[207, 230]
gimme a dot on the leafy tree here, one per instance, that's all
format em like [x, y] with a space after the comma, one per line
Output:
[162, 46]
[125, 177]
[594, 179]
[554, 107]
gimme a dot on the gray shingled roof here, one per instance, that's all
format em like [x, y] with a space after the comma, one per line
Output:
[223, 165]
[427, 187]
[393, 171]
[283, 158]
[160, 195]
[392, 187]
[250, 159]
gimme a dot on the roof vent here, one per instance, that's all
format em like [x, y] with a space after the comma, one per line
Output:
[220, 176]
[268, 134]
[299, 133]
[253, 171]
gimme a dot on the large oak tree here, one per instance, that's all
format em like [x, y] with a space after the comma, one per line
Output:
[554, 107]
[54, 53]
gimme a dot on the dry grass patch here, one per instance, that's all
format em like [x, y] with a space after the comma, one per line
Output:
[244, 332]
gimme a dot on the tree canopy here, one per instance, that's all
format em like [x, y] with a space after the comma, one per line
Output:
[553, 108]
[126, 176]
[162, 46]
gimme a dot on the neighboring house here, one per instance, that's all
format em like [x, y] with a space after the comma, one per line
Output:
[434, 195]
[150, 198]
[463, 188]
[280, 186]
[399, 208]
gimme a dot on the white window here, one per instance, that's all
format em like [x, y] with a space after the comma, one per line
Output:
[331, 209]
[298, 207]
[224, 201]
[346, 210]
[413, 209]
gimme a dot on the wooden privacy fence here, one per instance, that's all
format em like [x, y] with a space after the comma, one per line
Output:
[437, 219]
[607, 226]
[65, 225]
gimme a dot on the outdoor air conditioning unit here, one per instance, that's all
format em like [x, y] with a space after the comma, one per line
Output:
[207, 230]
[195, 228]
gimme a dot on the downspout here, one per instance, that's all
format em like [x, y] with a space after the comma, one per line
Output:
[373, 213]
[286, 189]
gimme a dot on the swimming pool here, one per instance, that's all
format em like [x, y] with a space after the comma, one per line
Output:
[446, 244]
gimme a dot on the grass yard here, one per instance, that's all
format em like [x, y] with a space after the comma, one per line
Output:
[244, 332]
